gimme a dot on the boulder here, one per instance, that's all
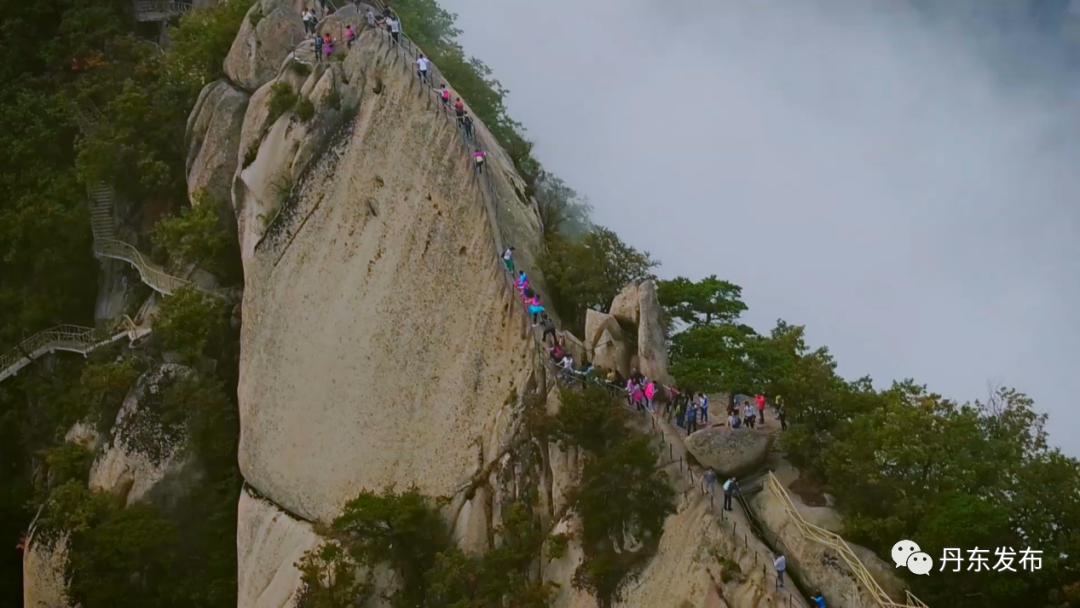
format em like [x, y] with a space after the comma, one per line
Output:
[141, 453]
[213, 136]
[595, 322]
[610, 352]
[729, 451]
[269, 32]
[334, 24]
[652, 344]
[625, 305]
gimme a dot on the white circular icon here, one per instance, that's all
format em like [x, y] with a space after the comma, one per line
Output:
[902, 550]
[920, 563]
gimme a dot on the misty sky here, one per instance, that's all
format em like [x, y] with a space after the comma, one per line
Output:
[913, 201]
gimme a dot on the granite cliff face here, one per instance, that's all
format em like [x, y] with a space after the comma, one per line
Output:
[381, 345]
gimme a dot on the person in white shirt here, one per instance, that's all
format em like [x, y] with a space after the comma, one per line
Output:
[780, 563]
[422, 65]
[395, 28]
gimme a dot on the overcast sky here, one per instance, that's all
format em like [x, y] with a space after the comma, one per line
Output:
[913, 201]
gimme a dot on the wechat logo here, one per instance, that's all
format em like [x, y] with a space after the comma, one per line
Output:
[907, 553]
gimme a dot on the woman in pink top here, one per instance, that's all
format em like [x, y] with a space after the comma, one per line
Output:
[650, 393]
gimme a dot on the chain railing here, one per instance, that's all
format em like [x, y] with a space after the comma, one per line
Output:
[70, 338]
[836, 543]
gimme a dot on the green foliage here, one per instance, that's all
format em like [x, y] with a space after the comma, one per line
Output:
[68, 462]
[299, 67]
[589, 272]
[706, 302]
[305, 110]
[329, 579]
[198, 236]
[282, 99]
[201, 42]
[563, 213]
[333, 99]
[404, 532]
[622, 499]
[399, 529]
[126, 559]
[589, 419]
[903, 462]
[188, 322]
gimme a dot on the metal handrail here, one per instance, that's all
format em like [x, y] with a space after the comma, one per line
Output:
[837, 543]
[156, 10]
[153, 275]
[70, 338]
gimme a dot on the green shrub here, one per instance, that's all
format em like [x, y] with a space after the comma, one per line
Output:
[557, 545]
[590, 419]
[103, 387]
[189, 322]
[305, 110]
[299, 67]
[282, 99]
[590, 272]
[328, 579]
[68, 462]
[333, 99]
[198, 236]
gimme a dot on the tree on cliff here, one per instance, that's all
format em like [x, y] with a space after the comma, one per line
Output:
[589, 272]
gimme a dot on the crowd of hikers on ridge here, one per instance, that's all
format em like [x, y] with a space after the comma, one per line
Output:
[688, 410]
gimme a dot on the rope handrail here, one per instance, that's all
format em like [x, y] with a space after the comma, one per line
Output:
[837, 543]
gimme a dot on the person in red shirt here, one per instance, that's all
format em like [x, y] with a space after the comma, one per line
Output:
[761, 407]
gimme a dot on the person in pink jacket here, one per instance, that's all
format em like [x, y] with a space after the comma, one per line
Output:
[650, 393]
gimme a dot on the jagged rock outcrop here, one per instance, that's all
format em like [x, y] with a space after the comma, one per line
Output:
[651, 342]
[625, 306]
[604, 338]
[269, 543]
[271, 29]
[213, 137]
[44, 583]
[141, 453]
[729, 451]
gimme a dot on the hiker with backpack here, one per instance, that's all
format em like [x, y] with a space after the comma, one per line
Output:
[479, 157]
[549, 328]
[444, 97]
[731, 487]
[508, 259]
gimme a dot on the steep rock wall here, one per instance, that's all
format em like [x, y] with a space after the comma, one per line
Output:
[380, 342]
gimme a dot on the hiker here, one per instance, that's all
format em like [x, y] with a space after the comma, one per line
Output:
[650, 395]
[422, 65]
[710, 481]
[535, 308]
[730, 488]
[395, 29]
[780, 563]
[372, 20]
[308, 17]
[691, 416]
[548, 326]
[556, 352]
[467, 126]
[322, 3]
[748, 415]
[567, 367]
[444, 96]
[328, 46]
[318, 48]
[818, 599]
[522, 281]
[478, 160]
[459, 109]
[781, 415]
[350, 36]
[508, 259]
[680, 412]
[761, 407]
[735, 421]
[704, 408]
